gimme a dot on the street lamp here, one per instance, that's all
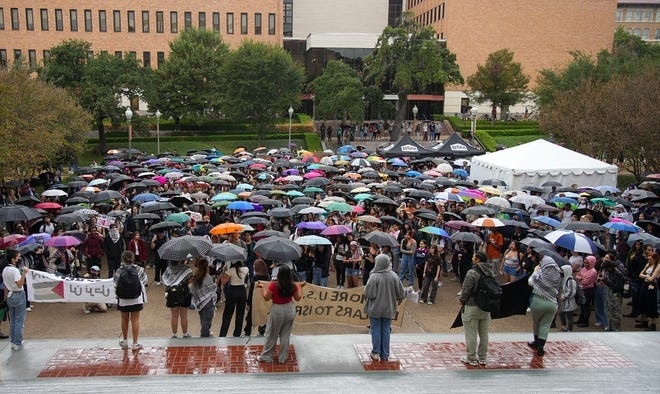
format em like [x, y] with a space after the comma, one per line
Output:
[474, 111]
[158, 129]
[290, 116]
[129, 116]
[415, 111]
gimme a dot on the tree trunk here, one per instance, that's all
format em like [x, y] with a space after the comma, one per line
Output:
[399, 117]
[101, 129]
[493, 115]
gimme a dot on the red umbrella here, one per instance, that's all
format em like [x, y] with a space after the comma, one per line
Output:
[62, 241]
[11, 240]
[48, 205]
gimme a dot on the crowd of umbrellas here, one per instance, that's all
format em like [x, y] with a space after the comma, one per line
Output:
[252, 191]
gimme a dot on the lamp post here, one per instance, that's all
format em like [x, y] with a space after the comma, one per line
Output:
[129, 116]
[415, 111]
[290, 116]
[158, 130]
[474, 111]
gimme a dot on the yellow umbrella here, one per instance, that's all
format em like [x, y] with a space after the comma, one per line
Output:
[239, 150]
[490, 190]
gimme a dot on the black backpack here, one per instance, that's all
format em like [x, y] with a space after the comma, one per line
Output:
[128, 284]
[488, 294]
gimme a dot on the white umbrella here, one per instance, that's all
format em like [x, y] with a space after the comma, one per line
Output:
[54, 193]
[573, 241]
[326, 160]
[293, 178]
[499, 202]
[444, 167]
[360, 163]
[97, 182]
[312, 210]
[312, 240]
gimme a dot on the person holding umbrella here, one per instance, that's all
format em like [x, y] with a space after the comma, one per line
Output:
[282, 313]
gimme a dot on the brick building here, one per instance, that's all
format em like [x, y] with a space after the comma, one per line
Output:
[28, 28]
[640, 17]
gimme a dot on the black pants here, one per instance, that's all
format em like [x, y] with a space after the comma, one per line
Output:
[236, 300]
[159, 268]
[340, 271]
[585, 310]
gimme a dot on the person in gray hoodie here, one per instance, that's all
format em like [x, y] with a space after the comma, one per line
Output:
[475, 320]
[383, 293]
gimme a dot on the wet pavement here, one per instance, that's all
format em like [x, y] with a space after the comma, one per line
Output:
[585, 362]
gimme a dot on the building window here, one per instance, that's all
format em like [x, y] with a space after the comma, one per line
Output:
[160, 25]
[657, 34]
[59, 20]
[17, 56]
[619, 15]
[29, 18]
[3, 58]
[131, 21]
[46, 55]
[146, 59]
[2, 18]
[160, 58]
[116, 21]
[132, 55]
[119, 54]
[230, 23]
[14, 19]
[216, 22]
[244, 23]
[44, 19]
[187, 20]
[257, 24]
[287, 30]
[32, 58]
[103, 21]
[271, 24]
[637, 15]
[145, 21]
[174, 22]
[645, 33]
[88, 21]
[73, 19]
[202, 20]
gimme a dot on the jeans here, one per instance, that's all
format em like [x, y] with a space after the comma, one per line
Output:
[319, 280]
[600, 302]
[16, 304]
[206, 319]
[476, 322]
[380, 336]
[408, 268]
[302, 276]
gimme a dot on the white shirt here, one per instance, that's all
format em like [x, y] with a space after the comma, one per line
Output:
[11, 275]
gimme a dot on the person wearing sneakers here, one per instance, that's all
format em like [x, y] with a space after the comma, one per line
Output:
[383, 292]
[130, 308]
[475, 320]
[13, 279]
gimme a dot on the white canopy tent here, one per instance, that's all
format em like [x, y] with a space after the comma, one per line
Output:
[540, 161]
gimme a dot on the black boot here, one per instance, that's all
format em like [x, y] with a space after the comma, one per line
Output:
[534, 344]
[539, 349]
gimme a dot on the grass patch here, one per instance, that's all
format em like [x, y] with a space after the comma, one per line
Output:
[511, 141]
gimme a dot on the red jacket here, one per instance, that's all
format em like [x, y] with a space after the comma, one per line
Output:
[140, 250]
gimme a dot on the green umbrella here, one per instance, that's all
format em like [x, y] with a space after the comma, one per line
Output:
[180, 218]
[313, 189]
[294, 193]
[605, 201]
[339, 207]
[362, 197]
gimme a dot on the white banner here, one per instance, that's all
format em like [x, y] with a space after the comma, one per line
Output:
[45, 287]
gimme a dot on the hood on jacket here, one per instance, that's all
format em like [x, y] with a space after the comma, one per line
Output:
[567, 272]
[485, 268]
[383, 263]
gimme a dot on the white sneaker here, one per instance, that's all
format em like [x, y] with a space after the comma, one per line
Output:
[375, 356]
[136, 346]
[465, 360]
[123, 344]
[459, 293]
[430, 303]
[157, 283]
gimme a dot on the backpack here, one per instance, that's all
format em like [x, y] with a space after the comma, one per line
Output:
[580, 299]
[128, 284]
[488, 294]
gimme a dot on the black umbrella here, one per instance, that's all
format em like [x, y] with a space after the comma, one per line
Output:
[28, 200]
[158, 206]
[69, 218]
[466, 236]
[179, 201]
[317, 182]
[72, 208]
[380, 238]
[18, 213]
[391, 219]
[77, 200]
[105, 195]
[533, 188]
[180, 247]
[164, 226]
[583, 226]
[228, 252]
[421, 194]
[277, 248]
[280, 212]
[478, 210]
[385, 201]
[427, 215]
[254, 213]
[493, 182]
[268, 233]
[145, 216]
[302, 200]
[256, 220]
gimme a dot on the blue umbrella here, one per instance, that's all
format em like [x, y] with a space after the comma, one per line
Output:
[435, 231]
[265, 176]
[565, 200]
[145, 197]
[35, 238]
[547, 220]
[396, 162]
[460, 172]
[414, 174]
[572, 241]
[622, 226]
[240, 206]
[244, 186]
[346, 149]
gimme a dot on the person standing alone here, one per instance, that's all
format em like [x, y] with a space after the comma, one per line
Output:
[475, 320]
[14, 278]
[383, 293]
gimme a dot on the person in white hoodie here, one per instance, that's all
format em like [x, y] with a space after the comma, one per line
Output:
[383, 293]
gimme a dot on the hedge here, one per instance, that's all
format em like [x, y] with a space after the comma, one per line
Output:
[486, 140]
[206, 137]
[513, 132]
[313, 142]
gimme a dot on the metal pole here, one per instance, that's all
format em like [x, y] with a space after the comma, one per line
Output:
[290, 116]
[158, 130]
[130, 141]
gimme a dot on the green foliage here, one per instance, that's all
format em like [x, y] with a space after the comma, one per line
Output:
[66, 65]
[407, 59]
[486, 140]
[516, 140]
[40, 125]
[260, 82]
[513, 132]
[338, 93]
[313, 142]
[189, 81]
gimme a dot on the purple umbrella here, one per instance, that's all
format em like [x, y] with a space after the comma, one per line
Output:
[62, 241]
[290, 171]
[336, 229]
[312, 225]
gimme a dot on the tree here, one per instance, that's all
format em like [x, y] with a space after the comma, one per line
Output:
[607, 106]
[39, 123]
[260, 81]
[66, 65]
[500, 81]
[338, 91]
[189, 81]
[107, 78]
[409, 58]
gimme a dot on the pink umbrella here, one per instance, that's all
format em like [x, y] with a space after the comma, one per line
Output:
[48, 205]
[62, 241]
[313, 174]
[160, 179]
[470, 193]
[336, 229]
[358, 209]
[257, 166]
